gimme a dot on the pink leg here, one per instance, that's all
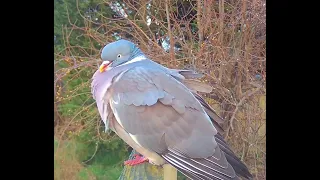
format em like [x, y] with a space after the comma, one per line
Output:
[137, 160]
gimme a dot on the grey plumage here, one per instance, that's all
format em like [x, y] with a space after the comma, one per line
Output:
[158, 112]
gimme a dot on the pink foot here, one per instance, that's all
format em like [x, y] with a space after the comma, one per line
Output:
[137, 160]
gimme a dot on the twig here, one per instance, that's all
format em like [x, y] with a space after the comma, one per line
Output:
[97, 144]
[243, 150]
[237, 108]
[199, 12]
[221, 19]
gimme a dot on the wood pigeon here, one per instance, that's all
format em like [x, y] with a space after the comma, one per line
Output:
[157, 111]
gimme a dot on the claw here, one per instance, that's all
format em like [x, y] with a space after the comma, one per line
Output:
[137, 160]
[135, 155]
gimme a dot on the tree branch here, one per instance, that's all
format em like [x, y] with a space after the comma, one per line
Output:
[170, 34]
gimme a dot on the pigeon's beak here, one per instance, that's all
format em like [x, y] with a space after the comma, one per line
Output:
[104, 66]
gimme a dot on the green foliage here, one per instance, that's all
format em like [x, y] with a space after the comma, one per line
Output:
[100, 159]
[84, 174]
[181, 176]
[70, 13]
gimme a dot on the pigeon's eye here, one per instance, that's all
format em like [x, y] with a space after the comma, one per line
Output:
[119, 56]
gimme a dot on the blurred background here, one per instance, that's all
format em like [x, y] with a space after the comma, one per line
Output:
[223, 39]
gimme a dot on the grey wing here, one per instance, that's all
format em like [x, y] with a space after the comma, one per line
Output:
[189, 79]
[173, 117]
[163, 116]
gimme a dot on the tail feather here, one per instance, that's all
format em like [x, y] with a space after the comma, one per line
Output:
[209, 168]
[240, 168]
[200, 168]
[185, 171]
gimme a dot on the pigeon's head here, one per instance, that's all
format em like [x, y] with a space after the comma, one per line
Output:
[117, 53]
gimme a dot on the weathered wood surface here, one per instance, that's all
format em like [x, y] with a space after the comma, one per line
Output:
[144, 171]
[170, 173]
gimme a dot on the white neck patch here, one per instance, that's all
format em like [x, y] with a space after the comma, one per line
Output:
[139, 58]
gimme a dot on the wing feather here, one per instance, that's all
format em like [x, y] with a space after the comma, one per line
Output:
[170, 121]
